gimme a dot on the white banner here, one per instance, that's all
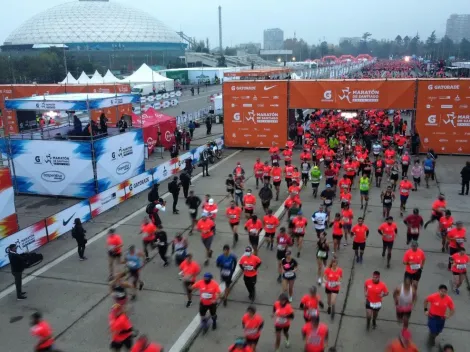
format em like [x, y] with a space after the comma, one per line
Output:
[107, 199]
[162, 172]
[62, 168]
[63, 222]
[119, 158]
[27, 240]
[138, 184]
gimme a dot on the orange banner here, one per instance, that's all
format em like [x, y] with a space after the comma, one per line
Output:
[352, 94]
[255, 113]
[443, 115]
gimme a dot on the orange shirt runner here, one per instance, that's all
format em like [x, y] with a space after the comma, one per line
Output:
[282, 315]
[190, 270]
[209, 292]
[405, 188]
[414, 259]
[43, 332]
[456, 237]
[252, 326]
[310, 306]
[249, 201]
[459, 263]
[388, 231]
[299, 225]
[360, 233]
[270, 224]
[148, 230]
[276, 173]
[206, 227]
[315, 339]
[333, 278]
[438, 305]
[375, 293]
[233, 215]
[250, 265]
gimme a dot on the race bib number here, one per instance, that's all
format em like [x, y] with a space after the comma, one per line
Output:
[321, 254]
[313, 312]
[461, 266]
[387, 201]
[251, 332]
[225, 272]
[376, 305]
[233, 216]
[328, 201]
[248, 205]
[248, 267]
[299, 230]
[404, 162]
[281, 247]
[415, 266]
[206, 295]
[238, 191]
[414, 230]
[269, 226]
[253, 231]
[277, 178]
[345, 219]
[192, 211]
[289, 274]
[388, 237]
[333, 284]
[281, 321]
[428, 168]
[460, 240]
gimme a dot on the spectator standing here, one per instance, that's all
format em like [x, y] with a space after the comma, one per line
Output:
[465, 174]
[174, 188]
[192, 127]
[185, 180]
[78, 232]
[17, 266]
[208, 124]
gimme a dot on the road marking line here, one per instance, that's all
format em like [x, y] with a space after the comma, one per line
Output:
[193, 328]
[98, 236]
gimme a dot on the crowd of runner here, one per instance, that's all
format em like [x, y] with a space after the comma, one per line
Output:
[337, 155]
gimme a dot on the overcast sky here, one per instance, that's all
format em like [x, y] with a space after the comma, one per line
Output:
[245, 20]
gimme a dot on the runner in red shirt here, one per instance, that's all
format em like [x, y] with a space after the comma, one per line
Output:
[287, 153]
[388, 230]
[43, 331]
[148, 229]
[414, 259]
[360, 232]
[299, 224]
[254, 226]
[249, 264]
[435, 308]
[233, 214]
[209, 294]
[249, 202]
[206, 227]
[288, 171]
[144, 345]
[283, 314]
[413, 222]
[332, 279]
[337, 232]
[189, 272]
[121, 329]
[347, 216]
[270, 223]
[438, 209]
[267, 172]
[258, 171]
[374, 290]
[456, 237]
[310, 303]
[445, 224]
[252, 324]
[315, 335]
[345, 184]
[114, 244]
[276, 173]
[459, 262]
[405, 187]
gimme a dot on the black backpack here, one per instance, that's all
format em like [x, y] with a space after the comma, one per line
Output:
[149, 209]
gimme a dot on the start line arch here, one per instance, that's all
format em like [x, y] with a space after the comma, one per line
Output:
[256, 112]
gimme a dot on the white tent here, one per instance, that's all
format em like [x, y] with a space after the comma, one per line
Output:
[83, 79]
[69, 79]
[96, 78]
[110, 78]
[146, 75]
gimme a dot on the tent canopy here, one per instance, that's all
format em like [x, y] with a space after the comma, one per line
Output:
[150, 118]
[69, 79]
[83, 79]
[96, 78]
[110, 78]
[146, 75]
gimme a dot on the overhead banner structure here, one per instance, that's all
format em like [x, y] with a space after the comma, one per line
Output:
[26, 240]
[255, 113]
[63, 222]
[443, 115]
[119, 158]
[62, 168]
[352, 94]
[8, 220]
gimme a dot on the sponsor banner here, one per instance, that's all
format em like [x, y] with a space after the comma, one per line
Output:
[62, 222]
[119, 158]
[353, 94]
[118, 100]
[443, 115]
[27, 240]
[108, 199]
[138, 184]
[62, 168]
[8, 224]
[162, 172]
[25, 104]
[180, 164]
[255, 113]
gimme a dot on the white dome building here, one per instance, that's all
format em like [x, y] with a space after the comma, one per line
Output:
[84, 25]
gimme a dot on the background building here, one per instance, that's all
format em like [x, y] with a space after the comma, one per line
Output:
[250, 48]
[273, 39]
[458, 27]
[106, 33]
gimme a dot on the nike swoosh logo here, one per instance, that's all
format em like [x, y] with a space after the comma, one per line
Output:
[269, 88]
[66, 222]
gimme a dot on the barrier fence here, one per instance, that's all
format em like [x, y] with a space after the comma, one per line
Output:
[54, 226]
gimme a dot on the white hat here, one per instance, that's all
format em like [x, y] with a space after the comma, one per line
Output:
[211, 201]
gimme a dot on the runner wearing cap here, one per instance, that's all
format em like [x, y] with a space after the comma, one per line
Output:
[209, 294]
[315, 178]
[374, 291]
[249, 264]
[438, 307]
[414, 259]
[405, 298]
[459, 262]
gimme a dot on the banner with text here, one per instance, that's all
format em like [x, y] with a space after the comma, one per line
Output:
[62, 168]
[138, 184]
[63, 222]
[443, 115]
[106, 200]
[255, 113]
[119, 158]
[27, 240]
[352, 94]
[8, 220]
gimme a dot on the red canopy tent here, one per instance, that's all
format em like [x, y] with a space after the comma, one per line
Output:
[153, 122]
